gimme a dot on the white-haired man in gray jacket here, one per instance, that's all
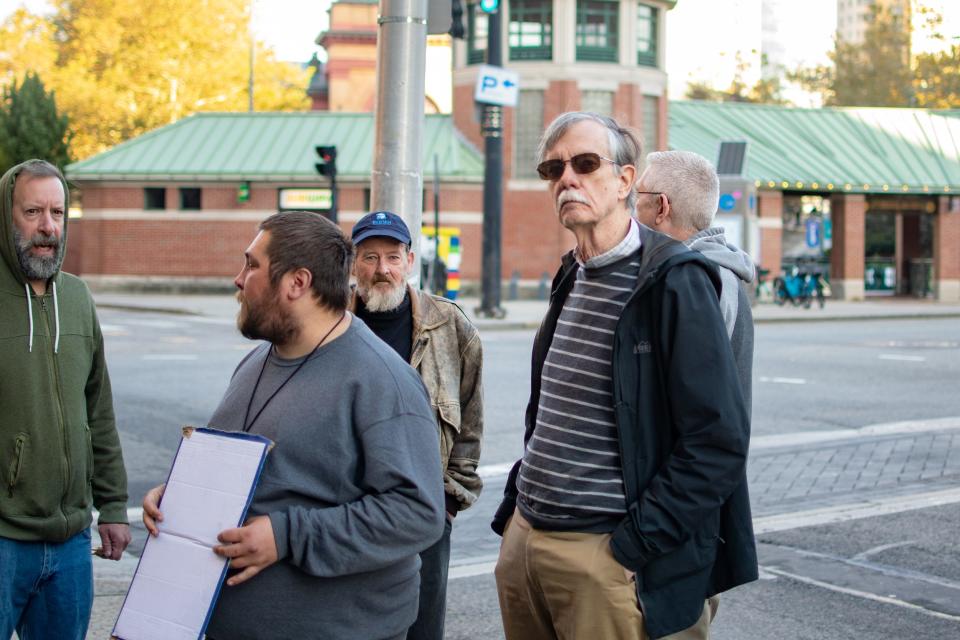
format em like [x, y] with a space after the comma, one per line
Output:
[677, 194]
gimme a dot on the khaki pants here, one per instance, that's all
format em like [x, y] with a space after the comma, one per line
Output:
[562, 585]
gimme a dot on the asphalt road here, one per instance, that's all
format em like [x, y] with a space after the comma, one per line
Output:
[893, 574]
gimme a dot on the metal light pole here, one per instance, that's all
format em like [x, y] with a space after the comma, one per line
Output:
[397, 178]
[491, 127]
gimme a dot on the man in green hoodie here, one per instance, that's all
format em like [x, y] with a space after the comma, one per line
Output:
[59, 448]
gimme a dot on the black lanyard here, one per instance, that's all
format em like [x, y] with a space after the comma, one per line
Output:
[246, 415]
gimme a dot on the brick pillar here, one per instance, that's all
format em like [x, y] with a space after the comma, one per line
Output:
[848, 214]
[946, 250]
[770, 212]
[561, 96]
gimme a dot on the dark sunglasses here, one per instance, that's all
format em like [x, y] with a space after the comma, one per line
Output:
[582, 163]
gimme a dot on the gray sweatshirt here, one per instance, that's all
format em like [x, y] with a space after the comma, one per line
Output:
[352, 489]
[736, 270]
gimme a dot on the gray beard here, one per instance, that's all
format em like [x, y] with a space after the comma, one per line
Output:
[38, 267]
[378, 301]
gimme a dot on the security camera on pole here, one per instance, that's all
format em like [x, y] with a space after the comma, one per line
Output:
[496, 88]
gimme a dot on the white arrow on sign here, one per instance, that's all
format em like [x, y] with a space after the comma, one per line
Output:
[496, 85]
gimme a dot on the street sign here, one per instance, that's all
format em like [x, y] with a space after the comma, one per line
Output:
[496, 85]
[813, 232]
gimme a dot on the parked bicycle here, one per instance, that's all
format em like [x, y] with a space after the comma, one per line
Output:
[800, 288]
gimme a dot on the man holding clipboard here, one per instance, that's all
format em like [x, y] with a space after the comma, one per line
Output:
[351, 493]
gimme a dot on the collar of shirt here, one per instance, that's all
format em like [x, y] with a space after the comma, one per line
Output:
[628, 246]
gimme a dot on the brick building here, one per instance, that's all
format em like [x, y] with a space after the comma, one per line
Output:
[598, 55]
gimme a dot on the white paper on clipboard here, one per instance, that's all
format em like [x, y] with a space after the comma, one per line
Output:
[209, 489]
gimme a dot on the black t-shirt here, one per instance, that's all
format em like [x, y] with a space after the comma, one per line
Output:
[395, 327]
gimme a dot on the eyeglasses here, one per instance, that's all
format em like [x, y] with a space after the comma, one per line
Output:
[582, 163]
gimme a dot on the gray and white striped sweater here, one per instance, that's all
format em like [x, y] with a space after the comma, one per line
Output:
[571, 477]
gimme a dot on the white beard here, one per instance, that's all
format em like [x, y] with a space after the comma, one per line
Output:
[377, 300]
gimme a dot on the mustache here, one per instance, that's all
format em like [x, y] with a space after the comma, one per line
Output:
[570, 196]
[41, 240]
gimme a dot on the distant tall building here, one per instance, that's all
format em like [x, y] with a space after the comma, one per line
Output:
[853, 16]
[773, 51]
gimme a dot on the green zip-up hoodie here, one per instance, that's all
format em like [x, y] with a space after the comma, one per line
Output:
[59, 448]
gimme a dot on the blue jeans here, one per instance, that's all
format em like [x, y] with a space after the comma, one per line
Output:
[46, 589]
[435, 562]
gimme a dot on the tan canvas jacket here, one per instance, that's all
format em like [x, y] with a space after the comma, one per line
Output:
[447, 354]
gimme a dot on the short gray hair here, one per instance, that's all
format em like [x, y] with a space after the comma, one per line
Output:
[689, 181]
[623, 144]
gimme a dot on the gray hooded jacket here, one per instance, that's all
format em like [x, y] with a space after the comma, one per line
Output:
[736, 270]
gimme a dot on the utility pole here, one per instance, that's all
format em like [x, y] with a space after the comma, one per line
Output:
[491, 127]
[397, 179]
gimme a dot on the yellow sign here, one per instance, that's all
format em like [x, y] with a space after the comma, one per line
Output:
[307, 199]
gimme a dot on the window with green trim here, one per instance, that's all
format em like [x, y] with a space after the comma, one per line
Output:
[528, 118]
[647, 18]
[597, 102]
[530, 32]
[651, 123]
[597, 30]
[476, 34]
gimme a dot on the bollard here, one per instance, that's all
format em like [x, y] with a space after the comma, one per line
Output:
[542, 289]
[512, 289]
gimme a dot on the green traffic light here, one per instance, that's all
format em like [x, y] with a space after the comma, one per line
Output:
[489, 6]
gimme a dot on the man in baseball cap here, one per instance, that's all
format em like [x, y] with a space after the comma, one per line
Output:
[435, 337]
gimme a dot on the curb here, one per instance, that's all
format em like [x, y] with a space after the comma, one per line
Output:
[144, 309]
[851, 318]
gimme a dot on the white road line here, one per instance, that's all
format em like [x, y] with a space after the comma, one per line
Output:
[854, 511]
[901, 358]
[950, 423]
[861, 594]
[489, 471]
[178, 357]
[778, 380]
[863, 555]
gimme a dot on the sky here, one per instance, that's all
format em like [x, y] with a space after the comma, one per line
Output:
[703, 36]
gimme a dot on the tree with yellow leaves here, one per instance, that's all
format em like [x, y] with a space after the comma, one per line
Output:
[121, 67]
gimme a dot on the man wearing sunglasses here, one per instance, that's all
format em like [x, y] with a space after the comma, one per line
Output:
[636, 429]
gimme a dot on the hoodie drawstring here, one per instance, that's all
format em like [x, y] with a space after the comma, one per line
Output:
[56, 315]
[30, 314]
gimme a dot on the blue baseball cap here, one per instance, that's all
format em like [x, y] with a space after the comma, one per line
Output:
[381, 224]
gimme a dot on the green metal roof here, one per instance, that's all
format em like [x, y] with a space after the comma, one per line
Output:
[858, 150]
[270, 146]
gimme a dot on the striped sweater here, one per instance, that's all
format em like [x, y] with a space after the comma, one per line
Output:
[571, 477]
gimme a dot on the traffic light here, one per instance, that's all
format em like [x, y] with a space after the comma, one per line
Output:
[489, 6]
[456, 24]
[328, 161]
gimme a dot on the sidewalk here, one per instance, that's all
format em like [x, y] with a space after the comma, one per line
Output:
[526, 314]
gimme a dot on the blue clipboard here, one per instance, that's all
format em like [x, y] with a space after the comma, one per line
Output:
[178, 578]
